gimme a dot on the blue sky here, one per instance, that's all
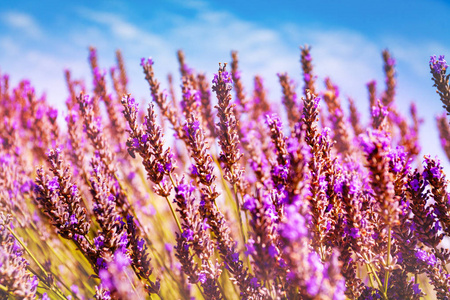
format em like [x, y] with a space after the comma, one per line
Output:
[39, 39]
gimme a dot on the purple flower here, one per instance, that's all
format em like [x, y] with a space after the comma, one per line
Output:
[438, 65]
[414, 184]
[282, 263]
[144, 138]
[121, 260]
[339, 293]
[369, 142]
[250, 247]
[34, 283]
[74, 190]
[169, 163]
[254, 282]
[99, 242]
[412, 226]
[111, 198]
[423, 256]
[307, 77]
[313, 284]
[5, 159]
[123, 241]
[136, 143]
[435, 172]
[188, 234]
[73, 220]
[377, 112]
[307, 57]
[191, 93]
[106, 279]
[329, 223]
[132, 104]
[355, 233]
[249, 203]
[40, 112]
[208, 177]
[225, 76]
[194, 127]
[235, 257]
[52, 113]
[237, 74]
[399, 257]
[216, 79]
[131, 176]
[71, 116]
[53, 184]
[202, 277]
[45, 296]
[183, 189]
[416, 289]
[398, 159]
[140, 244]
[74, 288]
[295, 228]
[149, 210]
[338, 185]
[390, 62]
[273, 251]
[336, 88]
[168, 247]
[26, 186]
[148, 62]
[281, 171]
[274, 119]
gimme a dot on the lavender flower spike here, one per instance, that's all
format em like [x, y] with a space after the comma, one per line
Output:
[438, 68]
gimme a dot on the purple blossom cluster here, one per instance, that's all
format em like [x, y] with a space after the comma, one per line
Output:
[249, 200]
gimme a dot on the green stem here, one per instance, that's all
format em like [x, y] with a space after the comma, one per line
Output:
[386, 274]
[179, 226]
[28, 251]
[4, 288]
[132, 286]
[30, 235]
[222, 291]
[44, 281]
[372, 284]
[238, 208]
[171, 206]
[371, 270]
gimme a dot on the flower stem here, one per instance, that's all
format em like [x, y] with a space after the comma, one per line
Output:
[386, 275]
[52, 287]
[28, 251]
[372, 284]
[171, 206]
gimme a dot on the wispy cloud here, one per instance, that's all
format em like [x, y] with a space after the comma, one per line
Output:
[22, 22]
[120, 28]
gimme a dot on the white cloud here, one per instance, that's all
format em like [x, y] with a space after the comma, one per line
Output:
[23, 22]
[8, 45]
[120, 28]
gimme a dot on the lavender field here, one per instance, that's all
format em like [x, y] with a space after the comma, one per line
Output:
[240, 204]
[210, 187]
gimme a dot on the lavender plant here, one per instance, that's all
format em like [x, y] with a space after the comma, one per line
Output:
[236, 206]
